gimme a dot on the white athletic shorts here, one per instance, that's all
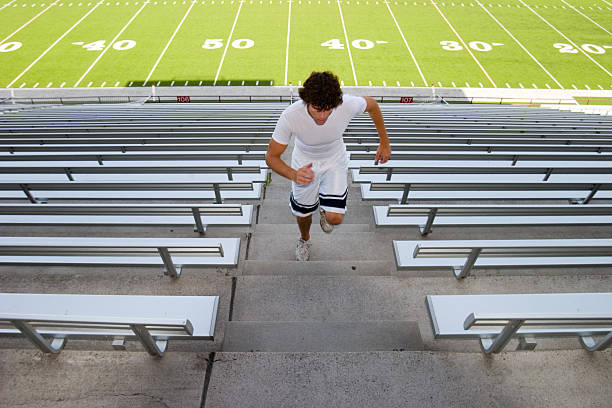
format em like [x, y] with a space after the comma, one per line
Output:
[328, 189]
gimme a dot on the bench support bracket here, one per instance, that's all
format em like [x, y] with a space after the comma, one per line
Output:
[39, 341]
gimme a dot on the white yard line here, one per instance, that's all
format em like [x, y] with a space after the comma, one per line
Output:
[287, 49]
[567, 38]
[406, 44]
[465, 46]
[168, 43]
[108, 47]
[519, 43]
[585, 16]
[609, 4]
[348, 45]
[227, 43]
[53, 45]
[7, 4]
[26, 24]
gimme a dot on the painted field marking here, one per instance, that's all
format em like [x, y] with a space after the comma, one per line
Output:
[36, 85]
[22, 85]
[227, 43]
[406, 44]
[7, 4]
[49, 84]
[600, 87]
[548, 86]
[348, 47]
[116, 84]
[167, 45]
[63, 85]
[89, 84]
[53, 45]
[398, 83]
[587, 87]
[103, 83]
[519, 43]
[567, 38]
[508, 85]
[585, 16]
[464, 44]
[93, 64]
[287, 49]
[467, 84]
[26, 24]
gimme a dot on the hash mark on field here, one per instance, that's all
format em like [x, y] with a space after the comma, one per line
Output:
[103, 83]
[521, 85]
[22, 85]
[508, 85]
[481, 85]
[52, 45]
[535, 86]
[467, 84]
[109, 45]
[35, 85]
[587, 87]
[7, 4]
[89, 84]
[348, 48]
[600, 87]
[200, 83]
[171, 83]
[411, 83]
[574, 86]
[406, 44]
[131, 82]
[27, 23]
[186, 82]
[63, 85]
[227, 43]
[49, 84]
[398, 83]
[168, 44]
[464, 44]
[567, 38]
[585, 16]
[440, 84]
[454, 86]
[520, 44]
[116, 84]
[548, 86]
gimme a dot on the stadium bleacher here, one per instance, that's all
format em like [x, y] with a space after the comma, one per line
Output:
[351, 327]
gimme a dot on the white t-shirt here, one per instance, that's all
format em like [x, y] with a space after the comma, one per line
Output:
[317, 140]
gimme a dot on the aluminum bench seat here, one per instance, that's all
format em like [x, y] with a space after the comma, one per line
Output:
[108, 173]
[513, 158]
[579, 192]
[50, 320]
[461, 256]
[37, 192]
[525, 146]
[495, 319]
[173, 253]
[482, 173]
[425, 217]
[198, 215]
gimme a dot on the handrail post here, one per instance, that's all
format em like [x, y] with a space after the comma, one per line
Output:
[198, 220]
[172, 270]
[498, 343]
[405, 194]
[588, 342]
[38, 340]
[430, 219]
[155, 348]
[464, 271]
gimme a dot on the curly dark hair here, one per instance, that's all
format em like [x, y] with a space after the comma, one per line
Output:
[322, 90]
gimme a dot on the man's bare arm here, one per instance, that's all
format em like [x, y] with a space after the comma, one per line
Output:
[303, 175]
[384, 149]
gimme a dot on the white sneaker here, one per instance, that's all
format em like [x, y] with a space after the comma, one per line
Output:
[325, 225]
[302, 252]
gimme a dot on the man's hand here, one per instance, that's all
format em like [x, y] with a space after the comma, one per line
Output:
[304, 175]
[382, 154]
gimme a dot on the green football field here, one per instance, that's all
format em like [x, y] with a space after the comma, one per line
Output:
[497, 43]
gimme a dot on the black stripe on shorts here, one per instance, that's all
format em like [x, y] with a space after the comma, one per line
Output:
[334, 201]
[302, 209]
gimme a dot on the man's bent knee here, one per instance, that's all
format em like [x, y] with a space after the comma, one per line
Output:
[334, 218]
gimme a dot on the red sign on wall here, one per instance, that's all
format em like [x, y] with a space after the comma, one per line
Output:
[406, 99]
[183, 99]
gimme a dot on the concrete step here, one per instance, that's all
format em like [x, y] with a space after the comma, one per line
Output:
[322, 336]
[277, 211]
[319, 268]
[388, 379]
[315, 229]
[338, 246]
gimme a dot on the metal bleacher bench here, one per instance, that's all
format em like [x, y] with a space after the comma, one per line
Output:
[579, 192]
[496, 319]
[49, 320]
[173, 253]
[426, 216]
[464, 255]
[38, 191]
[199, 215]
